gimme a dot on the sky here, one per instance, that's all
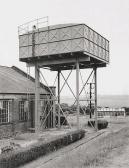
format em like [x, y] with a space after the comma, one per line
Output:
[108, 17]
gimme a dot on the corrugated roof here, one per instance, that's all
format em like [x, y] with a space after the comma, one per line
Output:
[14, 80]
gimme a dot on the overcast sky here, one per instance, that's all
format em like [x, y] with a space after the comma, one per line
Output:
[108, 17]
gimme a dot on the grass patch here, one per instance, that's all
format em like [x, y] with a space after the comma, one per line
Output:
[101, 148]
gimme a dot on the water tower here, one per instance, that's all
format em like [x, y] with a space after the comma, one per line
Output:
[59, 48]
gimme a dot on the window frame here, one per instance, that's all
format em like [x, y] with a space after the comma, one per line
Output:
[23, 113]
[5, 111]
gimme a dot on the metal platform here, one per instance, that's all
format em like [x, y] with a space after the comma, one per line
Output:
[66, 62]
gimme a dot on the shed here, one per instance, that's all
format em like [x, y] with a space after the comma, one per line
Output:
[16, 112]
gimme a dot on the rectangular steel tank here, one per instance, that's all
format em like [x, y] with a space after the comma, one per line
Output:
[63, 39]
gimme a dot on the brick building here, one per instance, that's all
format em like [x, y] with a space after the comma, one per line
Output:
[17, 101]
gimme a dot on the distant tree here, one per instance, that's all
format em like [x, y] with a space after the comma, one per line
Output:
[126, 110]
[65, 107]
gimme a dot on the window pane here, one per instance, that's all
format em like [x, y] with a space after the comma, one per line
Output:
[4, 111]
[23, 113]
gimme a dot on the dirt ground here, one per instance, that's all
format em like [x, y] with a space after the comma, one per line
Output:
[74, 155]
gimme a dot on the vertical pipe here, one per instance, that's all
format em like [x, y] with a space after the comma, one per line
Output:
[77, 90]
[90, 100]
[33, 41]
[37, 99]
[59, 99]
[96, 114]
[37, 93]
[53, 89]
[54, 111]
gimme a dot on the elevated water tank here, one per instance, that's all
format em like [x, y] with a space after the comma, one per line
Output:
[63, 40]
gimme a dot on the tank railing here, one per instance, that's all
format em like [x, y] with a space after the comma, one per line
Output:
[28, 26]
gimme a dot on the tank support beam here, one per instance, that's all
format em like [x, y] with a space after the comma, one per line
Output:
[37, 99]
[58, 98]
[77, 91]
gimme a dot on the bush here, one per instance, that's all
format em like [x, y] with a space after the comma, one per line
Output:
[101, 124]
[63, 120]
[22, 156]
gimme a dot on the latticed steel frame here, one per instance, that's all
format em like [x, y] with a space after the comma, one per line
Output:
[82, 48]
[56, 99]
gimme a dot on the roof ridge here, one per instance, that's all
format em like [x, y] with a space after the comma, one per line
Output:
[5, 66]
[29, 77]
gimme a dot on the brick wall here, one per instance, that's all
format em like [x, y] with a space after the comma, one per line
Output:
[14, 126]
[11, 129]
[6, 131]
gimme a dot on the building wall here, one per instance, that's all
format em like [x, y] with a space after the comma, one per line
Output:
[6, 130]
[111, 112]
[11, 129]
[14, 125]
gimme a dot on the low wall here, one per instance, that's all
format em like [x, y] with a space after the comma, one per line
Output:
[22, 126]
[24, 155]
[6, 130]
[10, 129]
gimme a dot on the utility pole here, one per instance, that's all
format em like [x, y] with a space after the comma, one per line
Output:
[96, 113]
[90, 100]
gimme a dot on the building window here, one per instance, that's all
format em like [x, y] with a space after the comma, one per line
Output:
[23, 111]
[4, 111]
